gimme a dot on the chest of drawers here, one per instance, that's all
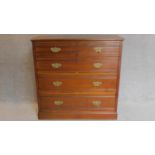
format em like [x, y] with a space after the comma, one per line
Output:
[77, 76]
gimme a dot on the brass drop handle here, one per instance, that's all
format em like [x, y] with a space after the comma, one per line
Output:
[56, 65]
[97, 83]
[58, 103]
[96, 103]
[57, 83]
[98, 49]
[55, 49]
[97, 65]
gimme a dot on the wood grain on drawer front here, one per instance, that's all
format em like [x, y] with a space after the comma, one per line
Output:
[108, 64]
[98, 52]
[77, 102]
[77, 84]
[62, 53]
[46, 53]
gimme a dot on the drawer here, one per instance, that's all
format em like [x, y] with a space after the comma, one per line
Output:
[107, 65]
[77, 83]
[65, 53]
[98, 52]
[77, 102]
[61, 53]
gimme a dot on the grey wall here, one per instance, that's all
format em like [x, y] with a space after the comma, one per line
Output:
[137, 90]
[17, 83]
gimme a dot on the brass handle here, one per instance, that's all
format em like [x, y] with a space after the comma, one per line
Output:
[98, 49]
[97, 83]
[58, 102]
[97, 65]
[57, 83]
[96, 103]
[55, 49]
[56, 65]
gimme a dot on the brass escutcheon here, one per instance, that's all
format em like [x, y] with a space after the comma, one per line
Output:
[58, 102]
[98, 49]
[96, 103]
[97, 65]
[97, 83]
[57, 83]
[56, 65]
[55, 49]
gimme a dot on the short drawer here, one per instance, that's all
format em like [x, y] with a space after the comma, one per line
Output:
[58, 53]
[98, 52]
[107, 65]
[77, 102]
[75, 53]
[79, 83]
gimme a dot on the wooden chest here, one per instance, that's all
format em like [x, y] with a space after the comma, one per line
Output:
[77, 76]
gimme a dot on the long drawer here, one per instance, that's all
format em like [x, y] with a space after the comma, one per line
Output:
[77, 84]
[75, 53]
[77, 102]
[110, 64]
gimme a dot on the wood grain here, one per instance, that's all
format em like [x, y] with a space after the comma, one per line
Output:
[109, 64]
[77, 102]
[77, 74]
[78, 53]
[81, 84]
[85, 115]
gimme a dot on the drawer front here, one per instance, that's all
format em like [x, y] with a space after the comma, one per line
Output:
[77, 84]
[109, 64]
[65, 53]
[98, 52]
[77, 102]
[61, 53]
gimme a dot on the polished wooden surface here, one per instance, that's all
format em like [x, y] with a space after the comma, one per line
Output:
[77, 37]
[74, 93]
[74, 84]
[77, 115]
[77, 102]
[75, 53]
[109, 64]
[77, 76]
[71, 43]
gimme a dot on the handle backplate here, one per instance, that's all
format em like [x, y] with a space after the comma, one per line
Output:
[55, 49]
[56, 65]
[96, 103]
[57, 83]
[98, 49]
[97, 83]
[97, 65]
[58, 103]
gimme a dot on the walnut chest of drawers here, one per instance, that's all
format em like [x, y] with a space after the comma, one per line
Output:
[77, 76]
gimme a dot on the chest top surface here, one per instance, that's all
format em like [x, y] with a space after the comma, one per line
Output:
[86, 37]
